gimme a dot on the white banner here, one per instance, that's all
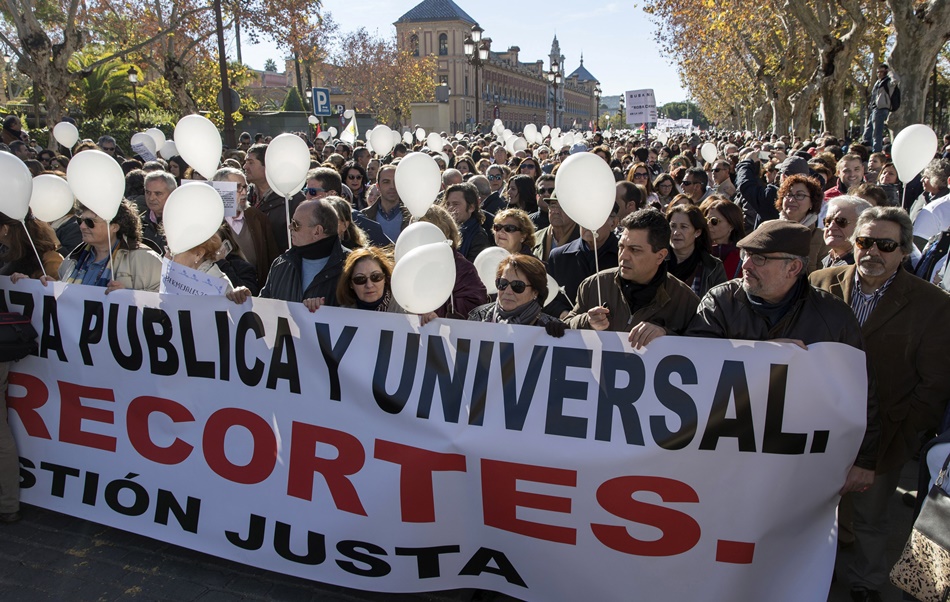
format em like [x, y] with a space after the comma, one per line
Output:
[641, 106]
[356, 448]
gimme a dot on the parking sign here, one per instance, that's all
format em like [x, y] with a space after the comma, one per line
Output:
[321, 102]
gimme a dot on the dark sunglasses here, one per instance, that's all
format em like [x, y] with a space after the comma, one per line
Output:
[517, 286]
[494, 178]
[312, 191]
[509, 228]
[294, 225]
[88, 221]
[885, 245]
[545, 191]
[108, 149]
[685, 183]
[841, 222]
[639, 176]
[528, 166]
[718, 169]
[713, 221]
[360, 279]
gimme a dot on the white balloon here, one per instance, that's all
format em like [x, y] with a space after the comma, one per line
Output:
[193, 213]
[199, 143]
[420, 134]
[66, 134]
[545, 131]
[98, 181]
[556, 143]
[324, 135]
[519, 144]
[333, 132]
[407, 137]
[418, 181]
[555, 132]
[914, 147]
[507, 134]
[312, 120]
[51, 198]
[17, 186]
[286, 162]
[586, 189]
[382, 140]
[510, 145]
[397, 138]
[459, 135]
[297, 188]
[567, 139]
[499, 122]
[425, 278]
[168, 150]
[145, 140]
[498, 130]
[434, 141]
[529, 131]
[415, 235]
[486, 264]
[348, 114]
[157, 135]
[553, 289]
[709, 152]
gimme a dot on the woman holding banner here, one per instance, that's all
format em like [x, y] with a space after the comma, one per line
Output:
[366, 281]
[136, 266]
[522, 287]
[19, 258]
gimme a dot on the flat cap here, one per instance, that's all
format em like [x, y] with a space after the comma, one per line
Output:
[778, 236]
[794, 165]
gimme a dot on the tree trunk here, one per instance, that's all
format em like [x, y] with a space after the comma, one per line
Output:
[832, 97]
[762, 118]
[919, 36]
[175, 75]
[802, 104]
[781, 116]
[237, 37]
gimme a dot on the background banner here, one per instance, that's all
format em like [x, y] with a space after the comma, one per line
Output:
[356, 448]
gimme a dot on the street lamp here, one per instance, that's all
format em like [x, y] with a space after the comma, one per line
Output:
[477, 52]
[597, 93]
[622, 113]
[134, 80]
[554, 77]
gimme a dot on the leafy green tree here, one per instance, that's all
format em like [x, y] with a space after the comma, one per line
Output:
[270, 66]
[293, 102]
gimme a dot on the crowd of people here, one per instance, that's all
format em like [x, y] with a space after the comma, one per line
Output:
[776, 239]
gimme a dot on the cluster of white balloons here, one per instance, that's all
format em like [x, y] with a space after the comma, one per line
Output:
[424, 276]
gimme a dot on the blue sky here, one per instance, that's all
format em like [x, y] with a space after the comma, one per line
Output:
[616, 38]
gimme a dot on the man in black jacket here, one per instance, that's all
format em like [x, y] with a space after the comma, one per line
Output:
[308, 272]
[880, 106]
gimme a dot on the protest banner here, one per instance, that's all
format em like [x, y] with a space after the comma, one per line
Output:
[357, 448]
[641, 106]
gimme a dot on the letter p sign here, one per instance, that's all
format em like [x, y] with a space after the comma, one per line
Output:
[321, 102]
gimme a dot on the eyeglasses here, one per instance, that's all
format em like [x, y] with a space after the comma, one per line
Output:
[87, 221]
[761, 260]
[312, 191]
[241, 187]
[713, 221]
[665, 184]
[295, 225]
[108, 149]
[545, 190]
[354, 176]
[885, 245]
[798, 196]
[509, 228]
[718, 169]
[528, 166]
[563, 153]
[517, 286]
[685, 183]
[494, 178]
[361, 279]
[640, 175]
[841, 222]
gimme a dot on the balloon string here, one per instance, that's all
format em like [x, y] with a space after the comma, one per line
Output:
[111, 250]
[597, 268]
[32, 244]
[287, 213]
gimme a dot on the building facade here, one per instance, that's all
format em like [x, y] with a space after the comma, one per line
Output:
[503, 87]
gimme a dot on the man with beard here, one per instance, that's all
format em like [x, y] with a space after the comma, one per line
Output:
[903, 320]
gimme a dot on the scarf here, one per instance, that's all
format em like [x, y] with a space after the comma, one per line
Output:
[687, 270]
[86, 259]
[381, 304]
[320, 249]
[525, 314]
[773, 312]
[641, 295]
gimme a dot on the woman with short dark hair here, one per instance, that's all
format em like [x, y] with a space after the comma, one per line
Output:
[522, 290]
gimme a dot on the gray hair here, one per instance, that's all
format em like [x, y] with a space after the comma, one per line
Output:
[166, 177]
[938, 169]
[889, 214]
[481, 184]
[222, 174]
[322, 213]
[449, 174]
[849, 201]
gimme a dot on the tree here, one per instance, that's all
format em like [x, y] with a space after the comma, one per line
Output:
[106, 88]
[383, 79]
[270, 66]
[293, 102]
[921, 29]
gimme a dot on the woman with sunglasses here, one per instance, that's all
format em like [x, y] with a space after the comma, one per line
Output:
[522, 287]
[724, 221]
[530, 167]
[640, 174]
[690, 259]
[136, 266]
[16, 252]
[514, 231]
[839, 223]
[799, 200]
[355, 178]
[366, 281]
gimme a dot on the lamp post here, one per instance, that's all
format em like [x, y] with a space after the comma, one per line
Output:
[134, 80]
[554, 77]
[622, 113]
[309, 94]
[596, 113]
[477, 52]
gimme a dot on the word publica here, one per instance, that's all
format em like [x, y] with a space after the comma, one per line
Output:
[343, 456]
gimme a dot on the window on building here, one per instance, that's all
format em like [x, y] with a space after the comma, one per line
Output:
[443, 44]
[443, 80]
[414, 44]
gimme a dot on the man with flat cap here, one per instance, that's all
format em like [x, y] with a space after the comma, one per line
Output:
[774, 302]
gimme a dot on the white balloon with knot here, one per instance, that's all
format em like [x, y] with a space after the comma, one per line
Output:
[424, 278]
[193, 213]
[198, 141]
[418, 181]
[913, 148]
[416, 235]
[66, 134]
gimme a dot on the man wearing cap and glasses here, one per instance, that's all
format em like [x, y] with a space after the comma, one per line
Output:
[774, 302]
[903, 320]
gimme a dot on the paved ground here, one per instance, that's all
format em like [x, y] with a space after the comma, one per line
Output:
[54, 557]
